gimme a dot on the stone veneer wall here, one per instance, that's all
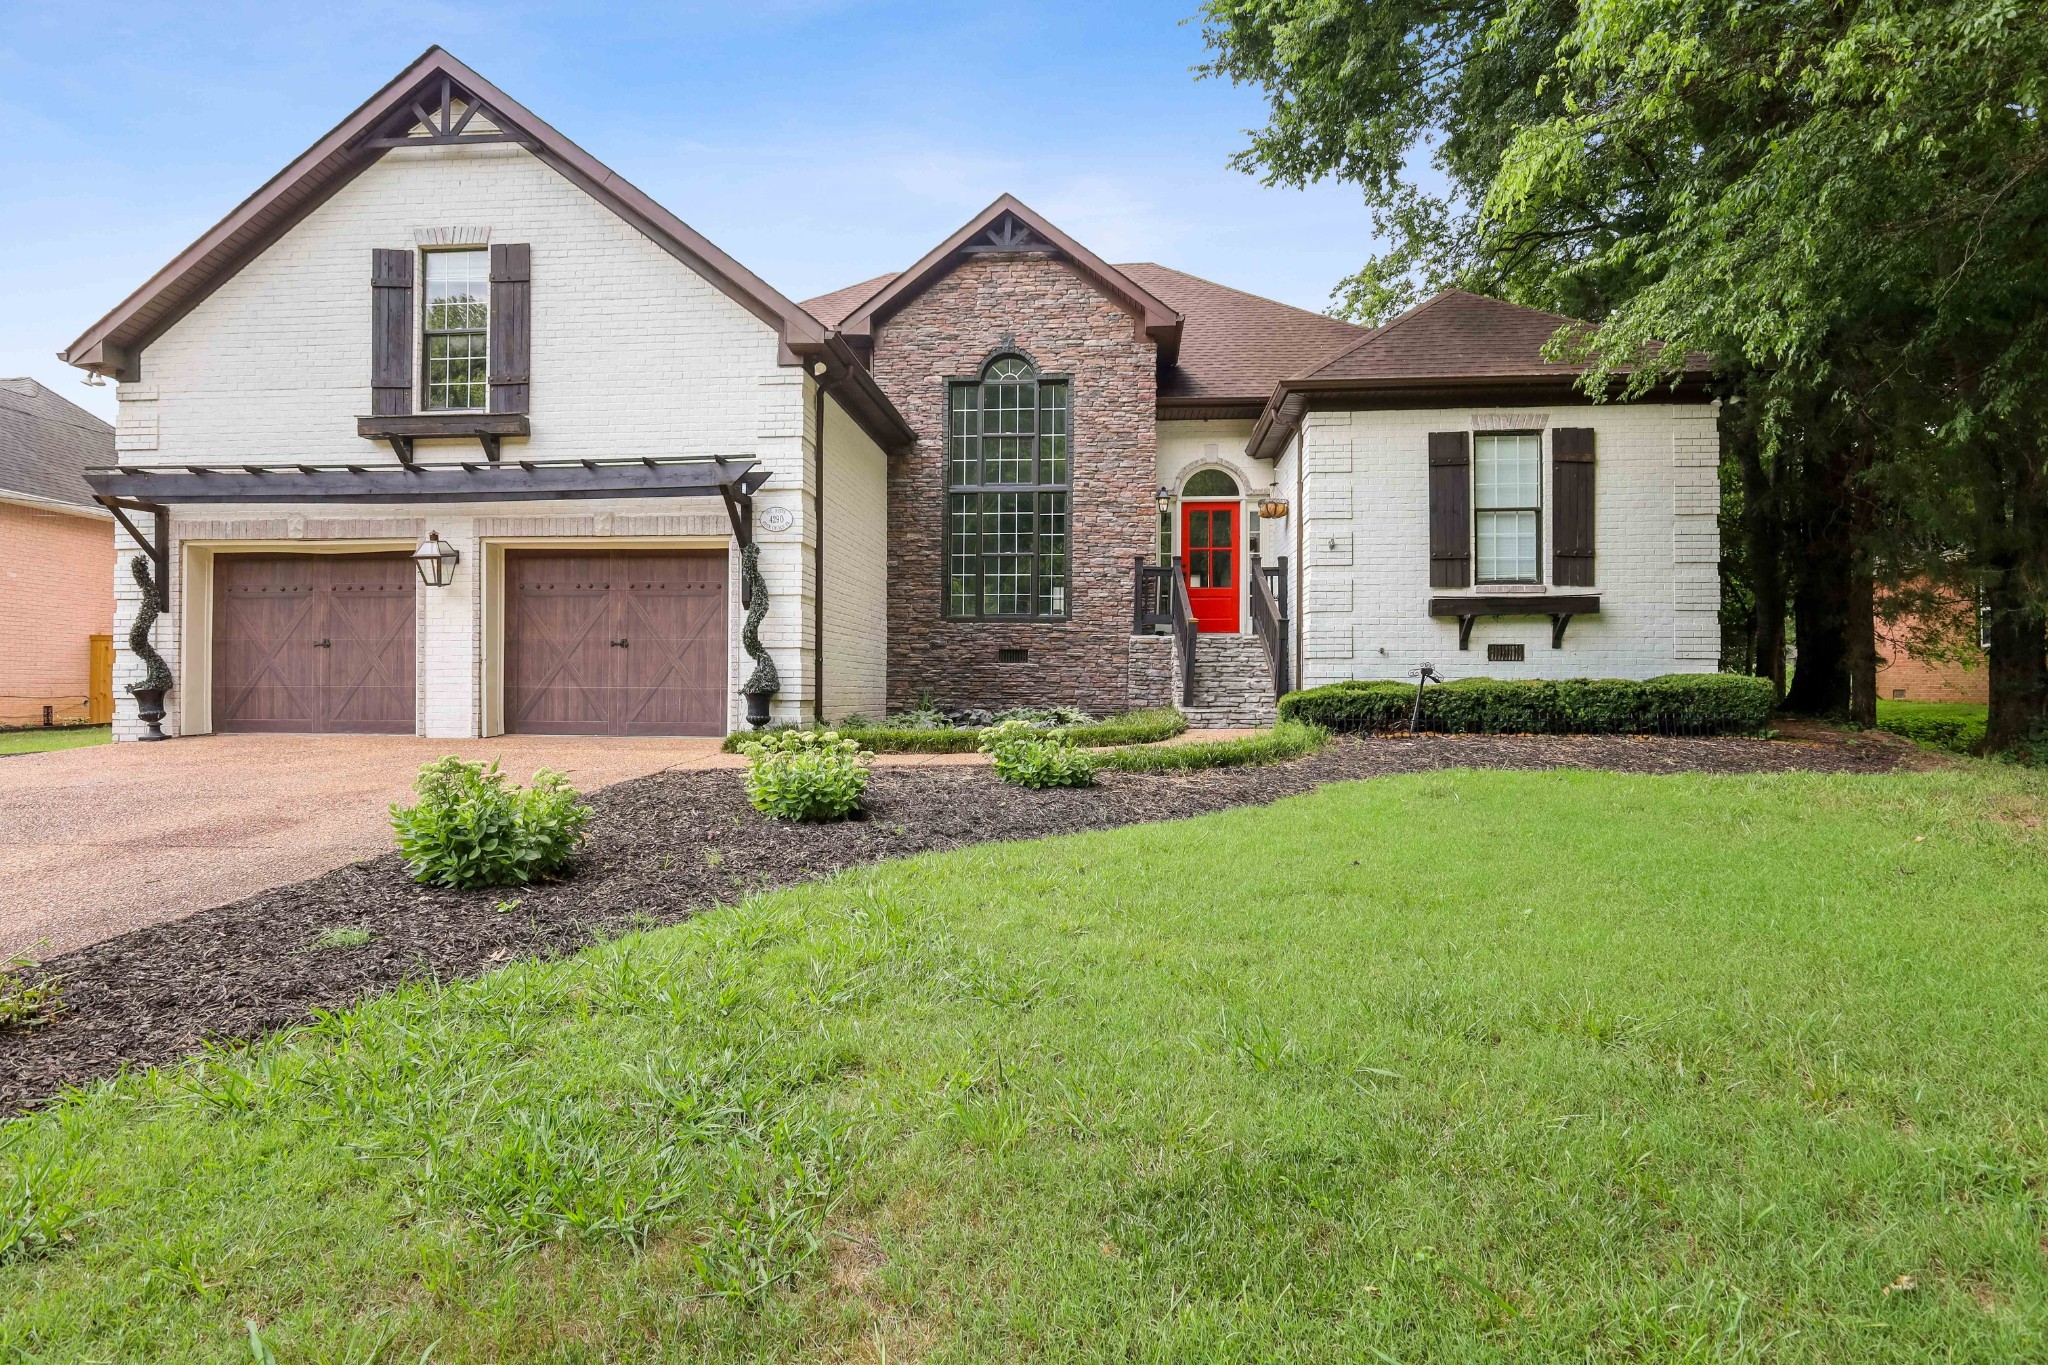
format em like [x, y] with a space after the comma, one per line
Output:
[1048, 311]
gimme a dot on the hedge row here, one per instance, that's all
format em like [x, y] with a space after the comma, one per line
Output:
[1677, 703]
[1288, 739]
[1133, 727]
[1955, 726]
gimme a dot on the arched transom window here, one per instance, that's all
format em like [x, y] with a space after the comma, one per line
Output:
[1007, 478]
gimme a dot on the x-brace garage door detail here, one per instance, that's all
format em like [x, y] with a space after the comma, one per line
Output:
[313, 643]
[619, 643]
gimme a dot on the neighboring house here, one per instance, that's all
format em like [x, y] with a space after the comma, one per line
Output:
[56, 556]
[1954, 670]
[446, 319]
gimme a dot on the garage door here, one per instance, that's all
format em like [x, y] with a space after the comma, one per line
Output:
[619, 643]
[320, 643]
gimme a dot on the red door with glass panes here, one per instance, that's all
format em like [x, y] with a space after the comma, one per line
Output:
[1209, 548]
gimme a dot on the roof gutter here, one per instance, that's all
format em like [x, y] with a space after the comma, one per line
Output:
[1292, 398]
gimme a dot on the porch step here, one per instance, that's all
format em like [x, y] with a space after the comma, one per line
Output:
[1233, 686]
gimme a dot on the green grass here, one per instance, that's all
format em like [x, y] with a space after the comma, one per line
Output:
[1448, 1067]
[55, 737]
[1957, 726]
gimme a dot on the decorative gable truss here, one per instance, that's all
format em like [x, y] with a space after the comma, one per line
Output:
[449, 116]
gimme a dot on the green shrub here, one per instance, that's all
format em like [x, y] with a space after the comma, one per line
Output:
[805, 774]
[471, 827]
[894, 737]
[1133, 727]
[1676, 703]
[1288, 739]
[1037, 758]
[1952, 725]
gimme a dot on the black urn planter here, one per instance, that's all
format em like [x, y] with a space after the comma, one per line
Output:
[757, 709]
[149, 705]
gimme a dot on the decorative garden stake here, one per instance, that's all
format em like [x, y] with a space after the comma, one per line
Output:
[765, 682]
[156, 675]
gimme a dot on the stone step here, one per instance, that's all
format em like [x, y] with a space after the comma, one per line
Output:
[1233, 686]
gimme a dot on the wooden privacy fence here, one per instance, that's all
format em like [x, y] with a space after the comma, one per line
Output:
[100, 690]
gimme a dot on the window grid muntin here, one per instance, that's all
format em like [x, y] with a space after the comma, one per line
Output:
[1507, 506]
[1007, 510]
[455, 317]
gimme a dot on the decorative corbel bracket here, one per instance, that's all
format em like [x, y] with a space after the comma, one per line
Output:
[157, 547]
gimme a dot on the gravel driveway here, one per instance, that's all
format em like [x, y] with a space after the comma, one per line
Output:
[95, 842]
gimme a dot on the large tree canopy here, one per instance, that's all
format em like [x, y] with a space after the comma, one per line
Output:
[1845, 203]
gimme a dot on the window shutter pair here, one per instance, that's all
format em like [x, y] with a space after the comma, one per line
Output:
[1450, 508]
[391, 329]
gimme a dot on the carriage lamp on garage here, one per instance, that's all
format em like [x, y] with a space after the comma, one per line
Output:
[436, 560]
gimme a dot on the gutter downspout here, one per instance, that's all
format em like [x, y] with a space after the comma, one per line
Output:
[822, 383]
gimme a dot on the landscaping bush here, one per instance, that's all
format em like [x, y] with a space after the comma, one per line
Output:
[471, 827]
[1288, 739]
[1677, 703]
[893, 736]
[1037, 758]
[805, 774]
[1952, 725]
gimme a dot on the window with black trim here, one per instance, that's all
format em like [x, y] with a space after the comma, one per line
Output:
[457, 331]
[1007, 480]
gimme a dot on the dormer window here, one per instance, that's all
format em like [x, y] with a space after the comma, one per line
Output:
[457, 331]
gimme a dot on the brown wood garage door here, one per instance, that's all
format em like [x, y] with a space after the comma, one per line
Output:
[313, 643]
[619, 643]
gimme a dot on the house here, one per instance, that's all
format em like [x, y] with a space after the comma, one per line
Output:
[1932, 646]
[56, 559]
[448, 429]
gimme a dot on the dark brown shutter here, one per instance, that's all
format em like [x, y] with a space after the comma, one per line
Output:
[511, 325]
[390, 333]
[1450, 509]
[1571, 517]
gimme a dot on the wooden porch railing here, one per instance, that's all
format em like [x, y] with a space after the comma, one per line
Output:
[1159, 597]
[1268, 597]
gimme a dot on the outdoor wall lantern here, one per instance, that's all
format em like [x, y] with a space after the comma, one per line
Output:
[436, 559]
[1164, 497]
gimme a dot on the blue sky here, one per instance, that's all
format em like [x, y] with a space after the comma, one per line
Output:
[819, 142]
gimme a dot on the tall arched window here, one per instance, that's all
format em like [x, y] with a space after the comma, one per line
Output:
[1006, 495]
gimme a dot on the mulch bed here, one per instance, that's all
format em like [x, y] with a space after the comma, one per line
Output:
[663, 848]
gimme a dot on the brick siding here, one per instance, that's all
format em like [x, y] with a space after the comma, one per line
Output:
[56, 591]
[1051, 313]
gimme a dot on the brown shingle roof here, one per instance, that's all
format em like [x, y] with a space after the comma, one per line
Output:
[1234, 348]
[1237, 346]
[831, 309]
[1457, 335]
[47, 443]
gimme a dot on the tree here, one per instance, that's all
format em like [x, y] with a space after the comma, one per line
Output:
[1843, 202]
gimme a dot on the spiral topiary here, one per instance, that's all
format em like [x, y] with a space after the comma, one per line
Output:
[156, 673]
[764, 681]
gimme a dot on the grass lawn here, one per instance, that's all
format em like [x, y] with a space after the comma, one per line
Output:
[56, 737]
[1449, 1067]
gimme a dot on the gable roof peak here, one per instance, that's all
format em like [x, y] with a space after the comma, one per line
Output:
[1009, 225]
[417, 107]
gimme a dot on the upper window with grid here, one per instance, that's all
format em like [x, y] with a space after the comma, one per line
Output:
[1006, 494]
[457, 331]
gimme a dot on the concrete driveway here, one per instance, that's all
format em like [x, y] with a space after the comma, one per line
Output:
[95, 842]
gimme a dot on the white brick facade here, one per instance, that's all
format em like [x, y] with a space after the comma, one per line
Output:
[1359, 484]
[632, 354]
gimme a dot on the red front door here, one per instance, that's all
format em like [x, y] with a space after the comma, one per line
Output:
[1209, 548]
